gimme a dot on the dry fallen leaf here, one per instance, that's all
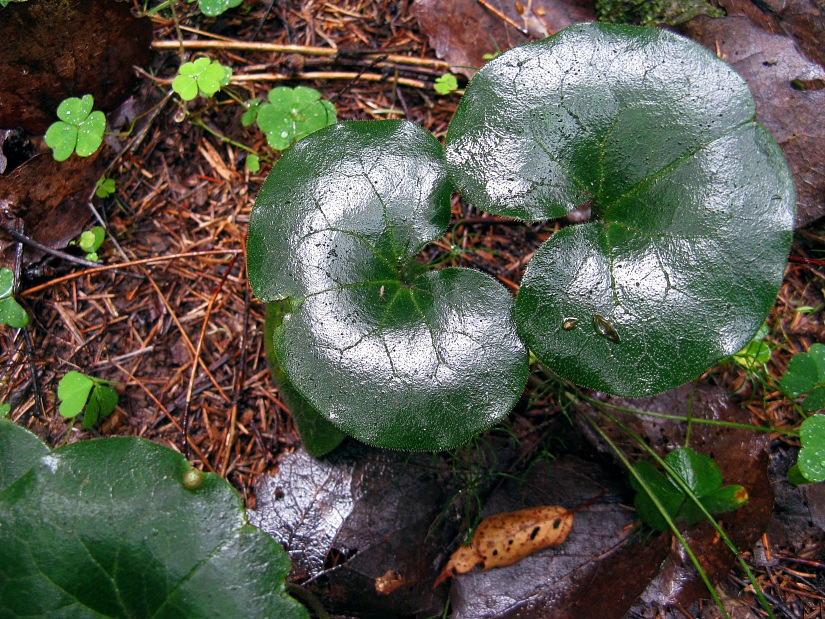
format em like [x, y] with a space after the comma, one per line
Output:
[504, 539]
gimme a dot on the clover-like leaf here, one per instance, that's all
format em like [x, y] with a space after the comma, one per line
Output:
[292, 113]
[692, 201]
[812, 456]
[91, 240]
[699, 473]
[79, 392]
[389, 352]
[806, 375]
[213, 8]
[78, 130]
[11, 312]
[109, 528]
[445, 84]
[201, 76]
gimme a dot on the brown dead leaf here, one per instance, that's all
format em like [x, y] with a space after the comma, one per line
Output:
[742, 458]
[462, 31]
[504, 539]
[48, 197]
[802, 20]
[53, 49]
[772, 66]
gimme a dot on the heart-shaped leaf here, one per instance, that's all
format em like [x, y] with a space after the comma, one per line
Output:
[109, 528]
[391, 353]
[692, 201]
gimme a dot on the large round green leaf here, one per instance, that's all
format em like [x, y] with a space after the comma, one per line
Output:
[107, 528]
[390, 353]
[19, 451]
[692, 201]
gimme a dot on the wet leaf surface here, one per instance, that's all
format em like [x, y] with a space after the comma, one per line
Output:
[561, 122]
[109, 528]
[742, 458]
[462, 31]
[774, 71]
[54, 49]
[392, 353]
[361, 524]
[50, 199]
[802, 20]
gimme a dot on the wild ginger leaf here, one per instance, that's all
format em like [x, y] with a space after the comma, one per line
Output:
[692, 200]
[108, 528]
[390, 353]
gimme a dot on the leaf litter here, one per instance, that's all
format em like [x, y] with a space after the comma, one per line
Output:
[175, 208]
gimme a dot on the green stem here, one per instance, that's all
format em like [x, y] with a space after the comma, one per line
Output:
[686, 489]
[712, 422]
[197, 122]
[307, 599]
[649, 491]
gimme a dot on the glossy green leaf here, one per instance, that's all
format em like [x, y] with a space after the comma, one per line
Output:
[700, 473]
[671, 498]
[19, 451]
[392, 354]
[692, 200]
[106, 528]
[318, 435]
[812, 456]
[61, 138]
[11, 312]
[186, 86]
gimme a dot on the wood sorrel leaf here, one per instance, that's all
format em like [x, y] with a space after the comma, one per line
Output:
[692, 200]
[391, 353]
[110, 528]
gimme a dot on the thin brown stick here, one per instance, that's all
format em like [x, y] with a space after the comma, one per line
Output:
[304, 50]
[197, 358]
[502, 16]
[110, 267]
[329, 75]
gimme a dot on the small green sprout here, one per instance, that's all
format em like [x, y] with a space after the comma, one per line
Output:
[446, 84]
[806, 376]
[78, 392]
[11, 312]
[90, 241]
[492, 56]
[810, 466]
[756, 353]
[700, 473]
[105, 187]
[251, 113]
[5, 409]
[79, 129]
[291, 114]
[253, 163]
[203, 76]
[213, 8]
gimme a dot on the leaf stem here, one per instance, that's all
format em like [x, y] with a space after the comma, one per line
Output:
[712, 422]
[686, 489]
[649, 491]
